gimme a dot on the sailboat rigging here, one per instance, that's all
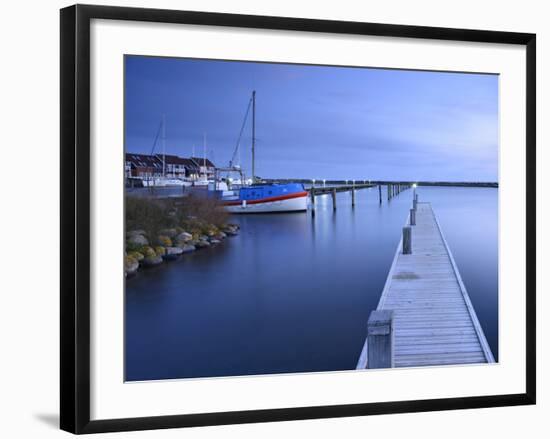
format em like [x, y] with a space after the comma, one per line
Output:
[259, 198]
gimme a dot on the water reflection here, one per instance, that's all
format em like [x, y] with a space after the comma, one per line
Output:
[292, 293]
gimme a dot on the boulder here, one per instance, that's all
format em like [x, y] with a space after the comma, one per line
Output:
[130, 265]
[214, 241]
[137, 240]
[150, 261]
[136, 255]
[188, 248]
[147, 251]
[202, 243]
[183, 237]
[160, 250]
[172, 253]
[231, 229]
[164, 241]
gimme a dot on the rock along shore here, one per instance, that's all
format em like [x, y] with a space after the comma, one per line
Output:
[144, 251]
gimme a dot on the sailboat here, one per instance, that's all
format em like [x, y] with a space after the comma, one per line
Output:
[163, 181]
[264, 198]
[203, 179]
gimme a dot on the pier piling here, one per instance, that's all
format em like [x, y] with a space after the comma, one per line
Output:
[333, 199]
[379, 194]
[380, 339]
[353, 197]
[407, 240]
[412, 217]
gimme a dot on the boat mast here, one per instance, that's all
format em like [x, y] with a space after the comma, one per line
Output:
[164, 145]
[253, 136]
[204, 156]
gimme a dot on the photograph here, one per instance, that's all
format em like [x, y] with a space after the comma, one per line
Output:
[296, 218]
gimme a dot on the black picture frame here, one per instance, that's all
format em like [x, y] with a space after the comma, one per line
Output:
[75, 217]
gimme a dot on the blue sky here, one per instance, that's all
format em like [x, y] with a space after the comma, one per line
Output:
[316, 121]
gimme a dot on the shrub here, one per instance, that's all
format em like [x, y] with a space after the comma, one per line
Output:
[196, 215]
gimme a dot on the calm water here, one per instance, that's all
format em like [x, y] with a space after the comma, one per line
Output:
[292, 293]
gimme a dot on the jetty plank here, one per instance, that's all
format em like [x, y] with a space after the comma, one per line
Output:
[434, 320]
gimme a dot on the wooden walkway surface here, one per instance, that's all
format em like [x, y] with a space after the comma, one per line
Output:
[434, 320]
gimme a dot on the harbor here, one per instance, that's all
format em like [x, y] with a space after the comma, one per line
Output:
[299, 219]
[261, 304]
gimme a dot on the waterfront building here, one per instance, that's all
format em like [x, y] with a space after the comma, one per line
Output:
[142, 166]
[206, 167]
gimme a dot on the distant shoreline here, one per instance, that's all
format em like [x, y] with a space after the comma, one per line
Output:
[383, 182]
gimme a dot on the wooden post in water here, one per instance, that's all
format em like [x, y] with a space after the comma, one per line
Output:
[388, 190]
[380, 193]
[407, 240]
[353, 197]
[380, 340]
[412, 217]
[312, 194]
[334, 199]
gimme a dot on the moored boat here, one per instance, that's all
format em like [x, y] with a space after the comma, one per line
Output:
[268, 198]
[256, 197]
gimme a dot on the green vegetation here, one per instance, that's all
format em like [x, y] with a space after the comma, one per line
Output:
[200, 216]
[164, 229]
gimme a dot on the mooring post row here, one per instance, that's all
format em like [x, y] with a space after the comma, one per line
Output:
[380, 340]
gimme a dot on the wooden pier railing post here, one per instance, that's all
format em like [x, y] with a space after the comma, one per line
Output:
[380, 343]
[333, 199]
[412, 217]
[379, 194]
[407, 240]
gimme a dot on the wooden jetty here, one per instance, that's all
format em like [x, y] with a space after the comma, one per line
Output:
[424, 316]
[392, 190]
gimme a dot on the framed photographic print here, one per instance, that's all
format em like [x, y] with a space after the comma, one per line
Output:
[268, 218]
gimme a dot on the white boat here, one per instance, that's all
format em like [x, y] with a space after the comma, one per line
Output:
[201, 182]
[165, 181]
